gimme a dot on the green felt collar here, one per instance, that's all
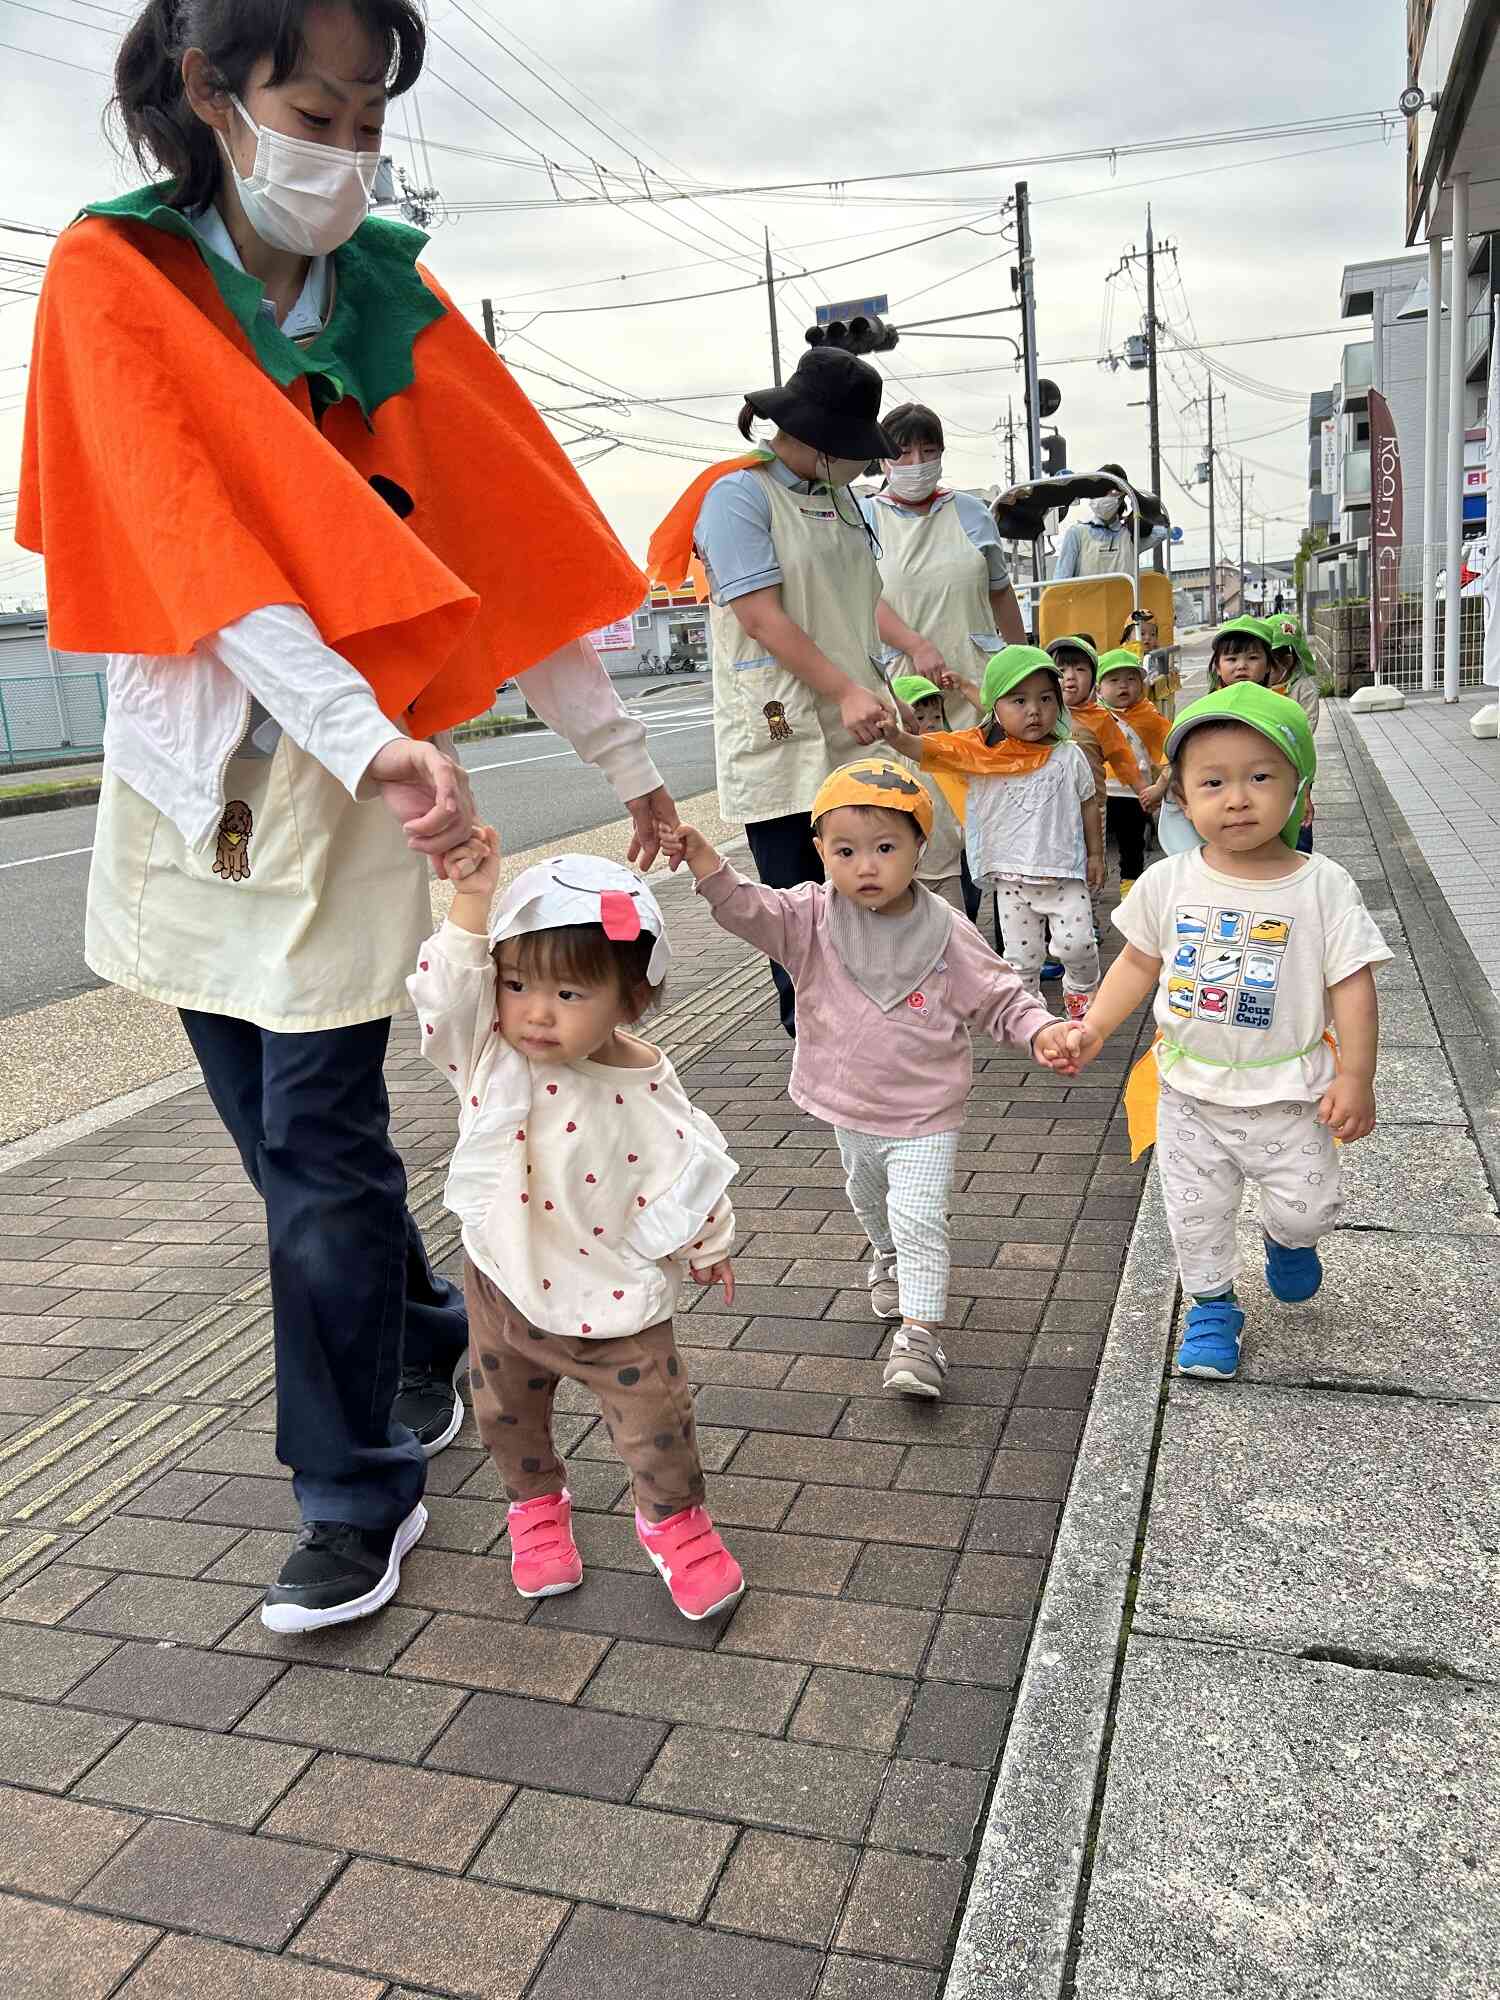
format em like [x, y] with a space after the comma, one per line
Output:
[380, 305]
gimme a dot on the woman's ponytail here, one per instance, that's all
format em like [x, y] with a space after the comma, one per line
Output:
[161, 127]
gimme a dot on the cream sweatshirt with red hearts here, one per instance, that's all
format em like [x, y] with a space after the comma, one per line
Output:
[586, 1191]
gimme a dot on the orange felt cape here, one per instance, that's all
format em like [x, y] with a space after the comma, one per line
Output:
[966, 750]
[669, 557]
[173, 486]
[1148, 722]
[1112, 742]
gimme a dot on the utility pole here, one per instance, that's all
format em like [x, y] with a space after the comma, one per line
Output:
[1242, 545]
[1158, 555]
[1027, 287]
[1213, 539]
[489, 321]
[1010, 439]
[771, 308]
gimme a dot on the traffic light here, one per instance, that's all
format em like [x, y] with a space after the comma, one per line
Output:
[1049, 398]
[861, 334]
[1054, 453]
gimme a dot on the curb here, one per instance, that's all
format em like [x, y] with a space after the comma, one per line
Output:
[1024, 1900]
[21, 803]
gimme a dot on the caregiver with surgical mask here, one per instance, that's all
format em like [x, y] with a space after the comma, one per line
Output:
[287, 489]
[1105, 540]
[942, 565]
[794, 592]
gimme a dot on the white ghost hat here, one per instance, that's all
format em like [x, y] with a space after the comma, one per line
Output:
[584, 889]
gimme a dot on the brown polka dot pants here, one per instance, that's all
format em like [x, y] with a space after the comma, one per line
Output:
[640, 1383]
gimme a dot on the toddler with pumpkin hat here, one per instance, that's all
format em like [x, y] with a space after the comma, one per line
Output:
[890, 980]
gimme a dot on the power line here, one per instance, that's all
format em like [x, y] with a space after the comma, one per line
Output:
[17, 49]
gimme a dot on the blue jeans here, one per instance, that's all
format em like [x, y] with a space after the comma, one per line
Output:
[352, 1291]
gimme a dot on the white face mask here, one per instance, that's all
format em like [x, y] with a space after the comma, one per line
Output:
[914, 482]
[301, 196]
[1108, 509]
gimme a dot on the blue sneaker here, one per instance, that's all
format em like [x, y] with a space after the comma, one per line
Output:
[1052, 968]
[1293, 1275]
[1211, 1340]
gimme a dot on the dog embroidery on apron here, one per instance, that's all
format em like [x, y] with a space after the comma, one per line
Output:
[776, 722]
[232, 859]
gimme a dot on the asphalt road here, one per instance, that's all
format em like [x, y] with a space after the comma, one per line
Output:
[531, 787]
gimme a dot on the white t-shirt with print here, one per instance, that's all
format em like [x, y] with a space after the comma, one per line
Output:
[1031, 826]
[1246, 967]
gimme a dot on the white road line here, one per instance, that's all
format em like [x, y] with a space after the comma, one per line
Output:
[552, 756]
[32, 859]
[504, 764]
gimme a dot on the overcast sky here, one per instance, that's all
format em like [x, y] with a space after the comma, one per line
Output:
[781, 91]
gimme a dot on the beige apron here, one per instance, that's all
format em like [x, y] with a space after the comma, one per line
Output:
[775, 740]
[939, 583]
[1102, 558]
[303, 911]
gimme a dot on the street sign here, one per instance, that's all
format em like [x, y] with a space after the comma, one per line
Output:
[1177, 534]
[871, 308]
[1330, 471]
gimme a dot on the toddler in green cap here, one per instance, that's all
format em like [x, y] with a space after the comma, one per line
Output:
[1026, 829]
[1252, 951]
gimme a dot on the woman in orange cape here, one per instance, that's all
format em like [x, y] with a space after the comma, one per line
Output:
[312, 522]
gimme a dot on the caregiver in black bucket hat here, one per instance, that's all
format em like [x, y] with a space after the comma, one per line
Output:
[794, 587]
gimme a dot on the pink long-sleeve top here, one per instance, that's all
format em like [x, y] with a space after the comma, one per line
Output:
[903, 1074]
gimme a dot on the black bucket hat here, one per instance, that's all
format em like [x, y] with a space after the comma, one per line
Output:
[832, 402]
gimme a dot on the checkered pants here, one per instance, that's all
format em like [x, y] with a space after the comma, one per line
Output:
[1206, 1152]
[899, 1190]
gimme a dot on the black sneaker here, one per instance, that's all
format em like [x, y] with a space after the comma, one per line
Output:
[336, 1573]
[430, 1405]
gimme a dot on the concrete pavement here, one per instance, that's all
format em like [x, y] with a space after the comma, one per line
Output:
[1255, 1742]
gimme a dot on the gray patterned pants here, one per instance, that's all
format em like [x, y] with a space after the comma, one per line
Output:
[1206, 1152]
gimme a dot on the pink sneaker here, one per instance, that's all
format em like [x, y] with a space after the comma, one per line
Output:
[701, 1574]
[544, 1558]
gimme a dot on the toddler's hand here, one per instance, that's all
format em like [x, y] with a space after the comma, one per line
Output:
[721, 1273]
[685, 843]
[1093, 873]
[1347, 1108]
[473, 867]
[1084, 1044]
[1050, 1048]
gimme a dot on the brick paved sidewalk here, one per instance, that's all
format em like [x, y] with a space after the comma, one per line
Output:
[469, 1795]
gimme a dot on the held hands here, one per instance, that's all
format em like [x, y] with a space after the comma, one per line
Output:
[1084, 1044]
[721, 1273]
[474, 865]
[1152, 795]
[1050, 1048]
[685, 843]
[863, 714]
[927, 661]
[428, 792]
[1347, 1108]
[650, 815]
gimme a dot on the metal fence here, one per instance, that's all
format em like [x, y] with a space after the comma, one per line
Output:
[47, 715]
[1342, 585]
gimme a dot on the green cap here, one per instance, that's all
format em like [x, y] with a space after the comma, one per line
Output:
[1121, 661]
[1075, 645]
[1252, 628]
[1280, 720]
[912, 688]
[1009, 667]
[1286, 631]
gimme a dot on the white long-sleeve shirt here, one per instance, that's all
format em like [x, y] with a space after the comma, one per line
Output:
[586, 1191]
[174, 722]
